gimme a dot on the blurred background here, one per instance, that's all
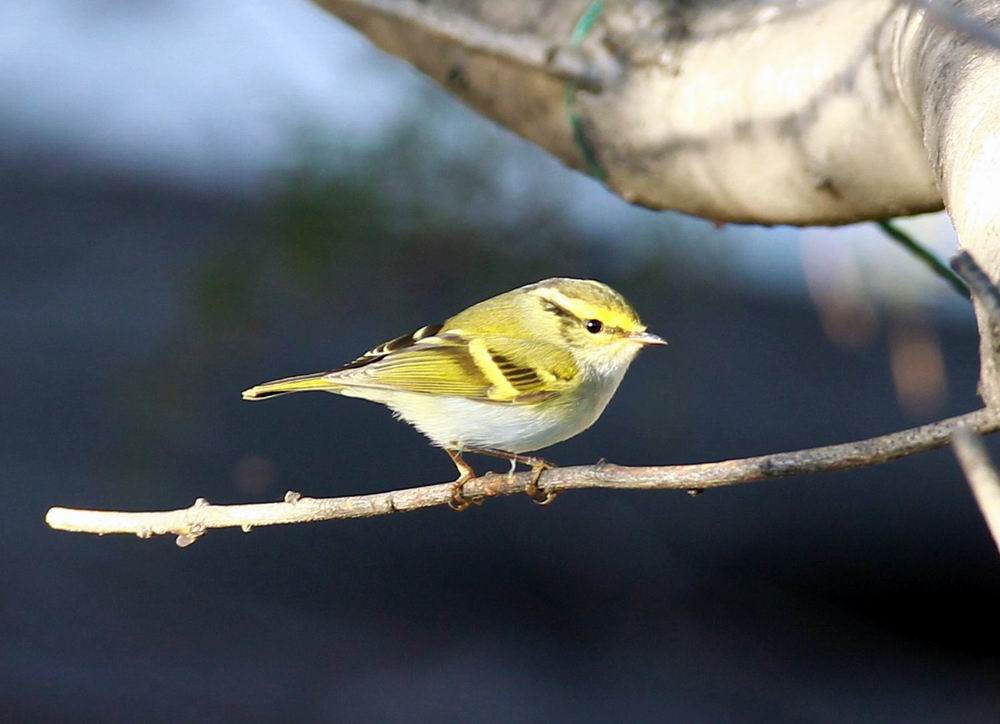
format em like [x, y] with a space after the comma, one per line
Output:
[196, 197]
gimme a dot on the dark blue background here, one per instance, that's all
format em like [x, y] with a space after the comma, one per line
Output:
[133, 316]
[196, 197]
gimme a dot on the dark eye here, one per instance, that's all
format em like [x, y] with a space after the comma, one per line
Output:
[594, 326]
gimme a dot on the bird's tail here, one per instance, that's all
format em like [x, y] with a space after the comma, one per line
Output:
[301, 383]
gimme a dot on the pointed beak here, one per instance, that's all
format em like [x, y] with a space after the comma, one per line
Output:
[647, 339]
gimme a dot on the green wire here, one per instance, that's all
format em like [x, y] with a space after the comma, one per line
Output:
[585, 23]
[925, 255]
[580, 32]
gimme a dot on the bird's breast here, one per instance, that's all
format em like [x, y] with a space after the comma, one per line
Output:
[463, 422]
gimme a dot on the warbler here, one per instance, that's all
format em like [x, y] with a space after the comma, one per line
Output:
[510, 375]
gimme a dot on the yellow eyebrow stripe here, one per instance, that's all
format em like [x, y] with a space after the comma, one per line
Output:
[584, 311]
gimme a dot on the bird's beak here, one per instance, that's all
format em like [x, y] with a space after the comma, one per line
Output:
[647, 339]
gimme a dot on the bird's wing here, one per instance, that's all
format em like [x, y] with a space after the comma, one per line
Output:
[488, 368]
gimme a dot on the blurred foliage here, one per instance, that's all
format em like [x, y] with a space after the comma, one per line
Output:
[367, 229]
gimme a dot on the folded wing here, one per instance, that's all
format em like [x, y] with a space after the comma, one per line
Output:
[488, 368]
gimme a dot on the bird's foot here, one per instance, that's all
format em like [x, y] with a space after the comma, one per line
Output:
[538, 494]
[458, 502]
[537, 465]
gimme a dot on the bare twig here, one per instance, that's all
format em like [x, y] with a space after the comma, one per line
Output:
[189, 523]
[983, 289]
[982, 477]
[528, 50]
[969, 449]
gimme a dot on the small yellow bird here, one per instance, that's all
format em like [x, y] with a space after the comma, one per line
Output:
[509, 375]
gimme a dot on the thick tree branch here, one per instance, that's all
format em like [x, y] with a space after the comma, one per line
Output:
[733, 111]
[189, 523]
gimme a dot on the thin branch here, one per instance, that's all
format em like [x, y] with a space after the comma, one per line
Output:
[189, 523]
[980, 284]
[558, 60]
[982, 477]
[969, 449]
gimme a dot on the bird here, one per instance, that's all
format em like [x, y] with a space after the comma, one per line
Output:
[510, 375]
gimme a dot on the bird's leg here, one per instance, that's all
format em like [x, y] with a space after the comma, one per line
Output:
[458, 501]
[537, 465]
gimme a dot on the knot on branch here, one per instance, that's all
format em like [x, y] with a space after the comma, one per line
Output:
[196, 526]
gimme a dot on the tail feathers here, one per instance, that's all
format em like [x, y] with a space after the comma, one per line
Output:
[302, 383]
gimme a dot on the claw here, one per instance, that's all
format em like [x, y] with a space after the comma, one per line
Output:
[535, 492]
[458, 502]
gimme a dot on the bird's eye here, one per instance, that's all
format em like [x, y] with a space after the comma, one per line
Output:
[594, 326]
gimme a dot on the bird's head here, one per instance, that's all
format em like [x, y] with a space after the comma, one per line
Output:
[600, 328]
